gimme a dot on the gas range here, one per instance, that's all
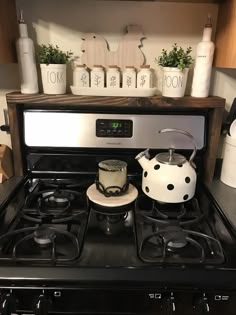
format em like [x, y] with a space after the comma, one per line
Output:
[60, 252]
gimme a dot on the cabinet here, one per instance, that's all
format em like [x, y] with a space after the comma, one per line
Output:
[8, 31]
[225, 55]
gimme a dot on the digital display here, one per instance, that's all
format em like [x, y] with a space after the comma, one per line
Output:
[114, 128]
[116, 124]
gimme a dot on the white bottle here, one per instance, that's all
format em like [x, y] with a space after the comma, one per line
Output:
[144, 77]
[113, 77]
[81, 76]
[129, 78]
[203, 64]
[97, 77]
[26, 60]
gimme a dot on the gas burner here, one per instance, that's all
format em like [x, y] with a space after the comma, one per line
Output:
[44, 235]
[175, 237]
[58, 199]
[55, 245]
[54, 206]
[173, 244]
[163, 237]
[112, 224]
[182, 214]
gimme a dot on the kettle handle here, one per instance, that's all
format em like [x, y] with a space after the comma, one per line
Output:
[186, 133]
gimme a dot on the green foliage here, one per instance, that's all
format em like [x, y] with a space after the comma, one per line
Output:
[52, 55]
[176, 57]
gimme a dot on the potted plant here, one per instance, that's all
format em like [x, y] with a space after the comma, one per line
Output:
[175, 64]
[53, 68]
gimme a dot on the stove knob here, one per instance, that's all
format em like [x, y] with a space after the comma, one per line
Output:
[42, 305]
[201, 306]
[169, 305]
[8, 304]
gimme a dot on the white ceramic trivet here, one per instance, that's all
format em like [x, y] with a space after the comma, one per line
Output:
[95, 196]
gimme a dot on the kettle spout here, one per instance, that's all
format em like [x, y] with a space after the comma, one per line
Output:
[143, 158]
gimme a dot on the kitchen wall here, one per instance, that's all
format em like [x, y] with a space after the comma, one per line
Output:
[65, 23]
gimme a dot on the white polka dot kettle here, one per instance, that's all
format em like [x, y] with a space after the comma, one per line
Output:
[169, 176]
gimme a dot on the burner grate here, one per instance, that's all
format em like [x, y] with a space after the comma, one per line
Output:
[49, 228]
[164, 234]
[55, 205]
[30, 245]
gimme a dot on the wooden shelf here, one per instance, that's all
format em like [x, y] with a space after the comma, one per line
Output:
[214, 105]
[155, 101]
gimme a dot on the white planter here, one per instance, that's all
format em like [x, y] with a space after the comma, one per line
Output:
[53, 78]
[174, 82]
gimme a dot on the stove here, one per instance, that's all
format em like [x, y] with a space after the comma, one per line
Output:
[62, 252]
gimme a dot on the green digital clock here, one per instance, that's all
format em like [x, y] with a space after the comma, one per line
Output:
[116, 124]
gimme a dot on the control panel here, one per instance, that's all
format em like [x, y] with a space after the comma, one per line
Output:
[113, 301]
[112, 128]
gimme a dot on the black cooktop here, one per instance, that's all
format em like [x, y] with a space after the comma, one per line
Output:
[67, 238]
[52, 223]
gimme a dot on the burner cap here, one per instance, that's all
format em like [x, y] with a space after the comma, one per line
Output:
[63, 195]
[44, 235]
[58, 198]
[175, 237]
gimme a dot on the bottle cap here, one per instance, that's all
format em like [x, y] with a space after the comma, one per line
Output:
[21, 20]
[129, 67]
[97, 66]
[209, 23]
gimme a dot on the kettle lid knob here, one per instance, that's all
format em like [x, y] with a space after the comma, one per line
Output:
[171, 158]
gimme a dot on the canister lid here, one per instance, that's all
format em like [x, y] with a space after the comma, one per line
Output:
[81, 66]
[145, 66]
[112, 165]
[113, 66]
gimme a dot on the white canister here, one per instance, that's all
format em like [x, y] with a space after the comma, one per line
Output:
[112, 175]
[174, 81]
[228, 171]
[97, 77]
[53, 78]
[144, 77]
[129, 78]
[113, 77]
[81, 76]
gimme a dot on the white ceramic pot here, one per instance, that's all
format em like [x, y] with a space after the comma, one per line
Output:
[53, 78]
[228, 171]
[174, 82]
